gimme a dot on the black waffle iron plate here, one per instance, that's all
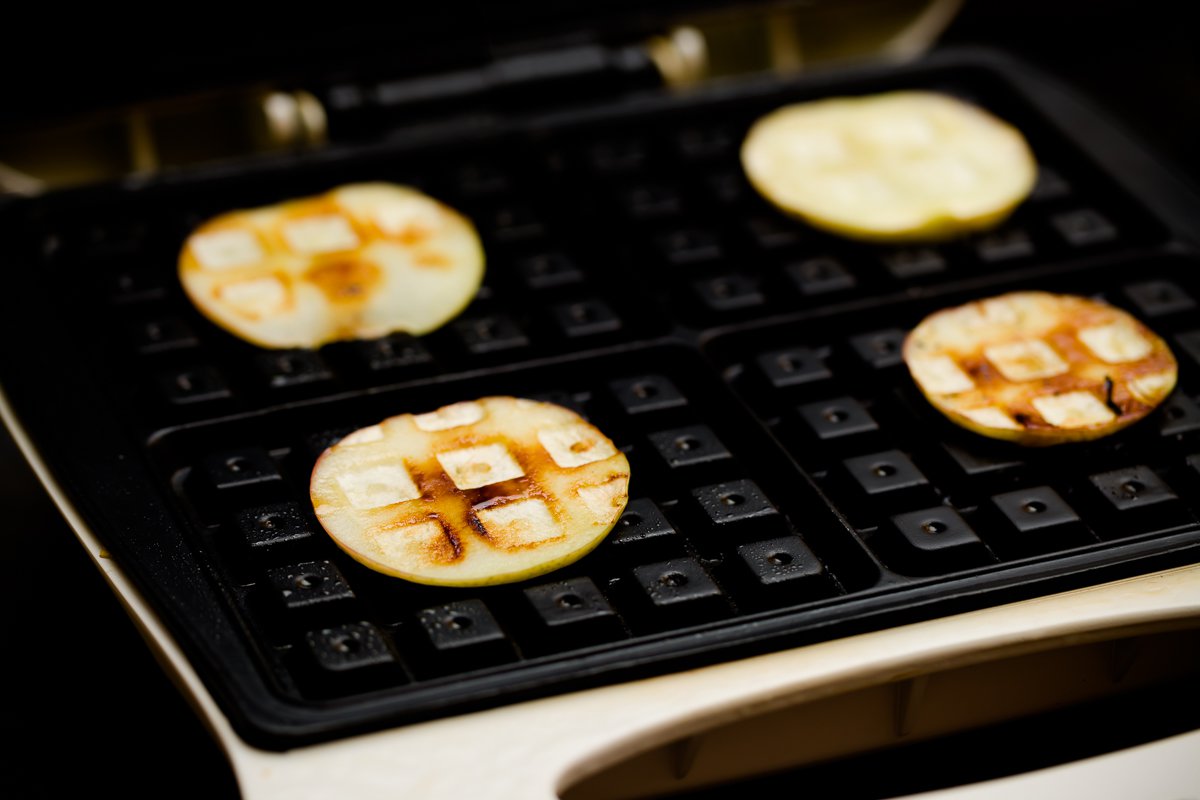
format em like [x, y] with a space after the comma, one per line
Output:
[786, 472]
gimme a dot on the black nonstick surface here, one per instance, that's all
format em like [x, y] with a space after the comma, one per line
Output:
[634, 276]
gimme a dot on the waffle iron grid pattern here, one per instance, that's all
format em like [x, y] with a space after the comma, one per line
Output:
[778, 466]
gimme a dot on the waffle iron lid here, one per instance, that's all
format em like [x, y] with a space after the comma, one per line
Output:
[54, 69]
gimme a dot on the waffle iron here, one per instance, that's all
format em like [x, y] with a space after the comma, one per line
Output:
[747, 364]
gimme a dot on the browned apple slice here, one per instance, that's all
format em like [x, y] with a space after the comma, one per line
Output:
[361, 261]
[480, 492]
[1040, 368]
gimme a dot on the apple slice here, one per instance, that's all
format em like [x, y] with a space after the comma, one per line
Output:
[476, 493]
[361, 261]
[897, 167]
[1039, 368]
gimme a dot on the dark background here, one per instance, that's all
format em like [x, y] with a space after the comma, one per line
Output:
[85, 702]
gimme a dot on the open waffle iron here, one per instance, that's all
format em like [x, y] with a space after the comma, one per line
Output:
[748, 365]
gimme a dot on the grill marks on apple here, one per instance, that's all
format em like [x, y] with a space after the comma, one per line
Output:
[360, 261]
[1040, 368]
[480, 492]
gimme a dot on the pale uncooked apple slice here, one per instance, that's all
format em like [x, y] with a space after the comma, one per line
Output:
[358, 262]
[896, 167]
[480, 492]
[1040, 368]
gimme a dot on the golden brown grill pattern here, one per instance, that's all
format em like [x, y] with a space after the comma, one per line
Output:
[1040, 368]
[478, 492]
[360, 261]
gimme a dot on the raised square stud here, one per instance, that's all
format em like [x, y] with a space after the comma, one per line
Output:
[783, 564]
[1189, 342]
[267, 527]
[646, 393]
[349, 648]
[733, 502]
[1179, 415]
[473, 467]
[462, 624]
[880, 349]
[396, 351]
[982, 459]
[838, 418]
[161, 334]
[194, 385]
[822, 275]
[586, 318]
[1084, 227]
[885, 473]
[284, 369]
[705, 142]
[1050, 185]
[1132, 488]
[1004, 245]
[546, 270]
[793, 367]
[313, 584]
[774, 232]
[1159, 298]
[729, 292]
[1038, 520]
[518, 524]
[236, 469]
[686, 447]
[935, 530]
[651, 200]
[689, 246]
[681, 591]
[513, 223]
[490, 334]
[914, 262]
[570, 604]
[642, 523]
[935, 539]
[1035, 509]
